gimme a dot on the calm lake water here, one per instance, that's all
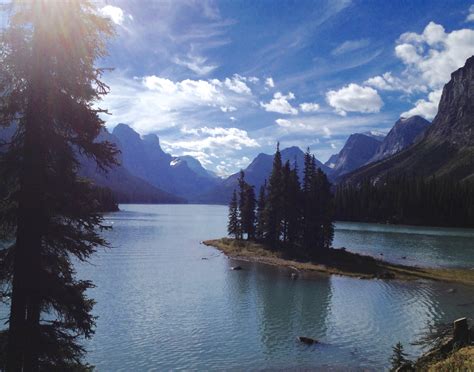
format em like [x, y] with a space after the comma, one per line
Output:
[162, 307]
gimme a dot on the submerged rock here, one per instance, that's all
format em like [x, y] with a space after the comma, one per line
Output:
[307, 340]
[294, 276]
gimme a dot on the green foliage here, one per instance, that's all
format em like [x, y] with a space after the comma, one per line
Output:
[408, 200]
[398, 357]
[49, 217]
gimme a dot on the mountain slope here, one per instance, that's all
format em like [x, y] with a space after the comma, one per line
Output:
[402, 135]
[357, 151]
[126, 187]
[446, 147]
[144, 158]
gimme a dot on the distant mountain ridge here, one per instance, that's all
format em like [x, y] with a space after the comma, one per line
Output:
[256, 173]
[446, 148]
[358, 150]
[403, 134]
[367, 147]
[144, 158]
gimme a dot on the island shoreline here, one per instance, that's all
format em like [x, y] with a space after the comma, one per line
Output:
[341, 262]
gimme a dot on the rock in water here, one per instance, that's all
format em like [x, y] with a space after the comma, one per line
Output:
[307, 340]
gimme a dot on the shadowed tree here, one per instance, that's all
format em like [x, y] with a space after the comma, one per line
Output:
[260, 216]
[233, 225]
[274, 202]
[48, 215]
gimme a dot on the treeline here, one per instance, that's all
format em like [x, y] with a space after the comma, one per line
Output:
[287, 215]
[408, 200]
[105, 199]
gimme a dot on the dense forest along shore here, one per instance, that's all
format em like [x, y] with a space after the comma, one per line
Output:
[338, 262]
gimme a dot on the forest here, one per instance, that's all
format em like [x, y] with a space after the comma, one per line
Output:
[410, 200]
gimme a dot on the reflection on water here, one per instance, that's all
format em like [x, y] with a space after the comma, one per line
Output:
[161, 306]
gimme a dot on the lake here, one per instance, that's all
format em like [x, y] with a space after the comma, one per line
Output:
[161, 306]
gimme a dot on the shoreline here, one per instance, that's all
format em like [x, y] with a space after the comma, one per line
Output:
[338, 262]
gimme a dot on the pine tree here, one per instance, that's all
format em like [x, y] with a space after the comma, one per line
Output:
[50, 86]
[398, 357]
[273, 207]
[248, 212]
[260, 214]
[294, 206]
[233, 226]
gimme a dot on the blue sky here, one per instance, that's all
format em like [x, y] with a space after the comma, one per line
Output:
[225, 80]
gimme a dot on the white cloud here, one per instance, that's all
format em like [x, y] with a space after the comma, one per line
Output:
[389, 82]
[197, 64]
[228, 108]
[194, 90]
[269, 83]
[114, 13]
[309, 107]
[470, 16]
[206, 142]
[350, 46]
[434, 54]
[280, 104]
[153, 103]
[283, 123]
[430, 58]
[237, 84]
[354, 98]
[426, 108]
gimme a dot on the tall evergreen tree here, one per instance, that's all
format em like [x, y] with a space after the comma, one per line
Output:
[246, 207]
[248, 212]
[233, 225]
[274, 205]
[260, 213]
[49, 89]
[294, 206]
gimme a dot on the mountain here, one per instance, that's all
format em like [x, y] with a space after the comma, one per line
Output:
[144, 158]
[125, 187]
[193, 164]
[402, 135]
[446, 148]
[256, 173]
[357, 151]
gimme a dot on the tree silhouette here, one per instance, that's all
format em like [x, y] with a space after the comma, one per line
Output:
[49, 90]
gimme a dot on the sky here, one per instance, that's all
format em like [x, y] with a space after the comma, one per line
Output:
[225, 80]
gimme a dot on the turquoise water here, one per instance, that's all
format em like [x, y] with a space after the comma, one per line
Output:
[161, 306]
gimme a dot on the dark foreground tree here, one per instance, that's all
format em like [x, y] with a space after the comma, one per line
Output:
[48, 215]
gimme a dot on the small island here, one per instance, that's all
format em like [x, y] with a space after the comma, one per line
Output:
[337, 262]
[291, 224]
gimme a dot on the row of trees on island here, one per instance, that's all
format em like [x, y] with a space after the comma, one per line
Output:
[288, 214]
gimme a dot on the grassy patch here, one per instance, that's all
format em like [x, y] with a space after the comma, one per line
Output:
[460, 360]
[338, 261]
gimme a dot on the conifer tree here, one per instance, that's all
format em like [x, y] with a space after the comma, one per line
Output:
[49, 89]
[233, 226]
[273, 207]
[260, 215]
[248, 212]
[294, 206]
[398, 357]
